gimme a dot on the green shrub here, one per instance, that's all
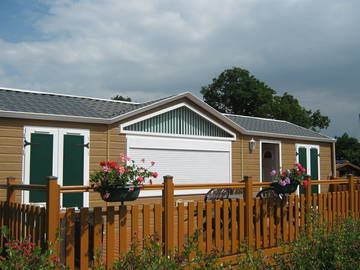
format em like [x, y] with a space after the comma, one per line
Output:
[152, 257]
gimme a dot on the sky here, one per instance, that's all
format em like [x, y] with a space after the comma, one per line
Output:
[148, 49]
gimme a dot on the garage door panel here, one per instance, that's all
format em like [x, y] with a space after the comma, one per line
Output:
[186, 166]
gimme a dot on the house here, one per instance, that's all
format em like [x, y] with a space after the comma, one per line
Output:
[344, 167]
[67, 136]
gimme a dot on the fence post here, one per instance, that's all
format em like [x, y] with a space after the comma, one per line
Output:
[249, 210]
[11, 193]
[168, 205]
[53, 213]
[351, 194]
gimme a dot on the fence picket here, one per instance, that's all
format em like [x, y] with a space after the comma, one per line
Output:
[233, 225]
[181, 234]
[226, 225]
[70, 238]
[291, 218]
[84, 238]
[208, 226]
[123, 240]
[257, 223]
[200, 222]
[284, 220]
[146, 222]
[158, 216]
[97, 232]
[264, 221]
[271, 223]
[297, 218]
[241, 224]
[217, 225]
[110, 236]
[134, 222]
[191, 218]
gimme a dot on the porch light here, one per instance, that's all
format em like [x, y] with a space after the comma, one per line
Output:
[252, 144]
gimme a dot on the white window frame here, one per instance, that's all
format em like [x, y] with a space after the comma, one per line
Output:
[308, 161]
[261, 154]
[182, 104]
[58, 150]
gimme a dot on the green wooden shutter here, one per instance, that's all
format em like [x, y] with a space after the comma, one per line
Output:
[303, 162]
[41, 163]
[314, 156]
[73, 168]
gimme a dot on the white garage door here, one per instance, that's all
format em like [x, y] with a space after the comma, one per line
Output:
[189, 161]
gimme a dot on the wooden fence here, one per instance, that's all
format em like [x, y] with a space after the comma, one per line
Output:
[223, 224]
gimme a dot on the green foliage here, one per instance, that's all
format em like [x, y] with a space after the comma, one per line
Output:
[121, 98]
[237, 91]
[321, 250]
[152, 257]
[26, 255]
[348, 148]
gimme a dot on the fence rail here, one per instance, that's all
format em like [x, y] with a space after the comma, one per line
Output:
[222, 224]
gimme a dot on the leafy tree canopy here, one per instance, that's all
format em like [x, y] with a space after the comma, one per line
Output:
[121, 98]
[237, 91]
[348, 148]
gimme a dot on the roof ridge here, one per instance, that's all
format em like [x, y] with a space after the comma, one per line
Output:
[66, 95]
[256, 117]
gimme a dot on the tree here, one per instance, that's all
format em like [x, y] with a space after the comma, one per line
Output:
[237, 91]
[121, 98]
[348, 148]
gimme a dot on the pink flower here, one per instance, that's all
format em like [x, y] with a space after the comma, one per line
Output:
[303, 170]
[142, 160]
[128, 158]
[152, 163]
[154, 174]
[298, 173]
[299, 166]
[150, 182]
[105, 169]
[282, 183]
[121, 170]
[122, 158]
[140, 178]
[106, 195]
[130, 189]
[273, 172]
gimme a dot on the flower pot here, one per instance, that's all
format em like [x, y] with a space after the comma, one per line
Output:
[121, 194]
[287, 189]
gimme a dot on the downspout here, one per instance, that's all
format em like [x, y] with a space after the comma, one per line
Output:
[333, 160]
[242, 157]
[108, 143]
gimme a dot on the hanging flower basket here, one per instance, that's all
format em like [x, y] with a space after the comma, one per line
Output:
[287, 181]
[288, 189]
[122, 194]
[117, 183]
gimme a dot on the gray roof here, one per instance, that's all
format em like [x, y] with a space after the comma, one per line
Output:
[20, 101]
[265, 125]
[44, 103]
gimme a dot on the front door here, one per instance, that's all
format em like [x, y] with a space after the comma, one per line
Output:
[270, 160]
[59, 152]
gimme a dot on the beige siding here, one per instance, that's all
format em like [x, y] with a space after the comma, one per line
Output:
[11, 145]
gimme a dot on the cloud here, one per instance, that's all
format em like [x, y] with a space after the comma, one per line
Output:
[148, 49]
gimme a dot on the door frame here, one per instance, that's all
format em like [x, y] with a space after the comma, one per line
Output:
[308, 147]
[58, 150]
[261, 155]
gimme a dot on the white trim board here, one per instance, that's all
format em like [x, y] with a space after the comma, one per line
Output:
[58, 139]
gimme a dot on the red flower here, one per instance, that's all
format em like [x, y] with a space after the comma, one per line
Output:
[103, 163]
[154, 174]
[150, 182]
[298, 173]
[283, 173]
[299, 166]
[113, 165]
